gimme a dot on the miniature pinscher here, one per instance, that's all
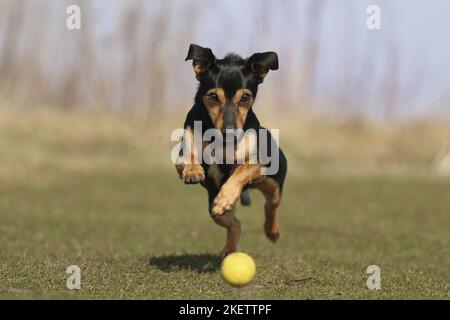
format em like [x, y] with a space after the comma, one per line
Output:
[224, 102]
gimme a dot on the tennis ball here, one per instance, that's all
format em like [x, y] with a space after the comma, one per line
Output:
[238, 269]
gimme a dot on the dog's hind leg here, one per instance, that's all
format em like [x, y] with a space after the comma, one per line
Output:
[271, 191]
[233, 226]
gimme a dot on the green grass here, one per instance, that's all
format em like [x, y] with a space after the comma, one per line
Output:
[146, 235]
[138, 232]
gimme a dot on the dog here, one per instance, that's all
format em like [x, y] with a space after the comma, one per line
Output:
[223, 102]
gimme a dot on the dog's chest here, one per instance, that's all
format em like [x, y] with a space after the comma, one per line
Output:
[218, 173]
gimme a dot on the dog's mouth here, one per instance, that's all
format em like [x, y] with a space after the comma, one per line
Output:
[228, 131]
[228, 134]
[232, 134]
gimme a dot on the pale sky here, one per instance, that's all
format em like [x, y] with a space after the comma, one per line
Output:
[413, 45]
[415, 36]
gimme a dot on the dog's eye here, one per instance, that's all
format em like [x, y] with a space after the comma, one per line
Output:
[245, 98]
[213, 97]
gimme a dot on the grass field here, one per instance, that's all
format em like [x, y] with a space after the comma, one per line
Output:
[98, 192]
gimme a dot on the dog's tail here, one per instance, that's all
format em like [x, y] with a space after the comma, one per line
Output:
[245, 198]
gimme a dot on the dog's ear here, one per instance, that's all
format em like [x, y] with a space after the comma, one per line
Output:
[261, 63]
[203, 59]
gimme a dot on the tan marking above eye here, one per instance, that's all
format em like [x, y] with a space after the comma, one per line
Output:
[214, 106]
[242, 107]
[219, 93]
[239, 94]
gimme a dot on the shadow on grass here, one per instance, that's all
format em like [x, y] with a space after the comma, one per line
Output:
[200, 263]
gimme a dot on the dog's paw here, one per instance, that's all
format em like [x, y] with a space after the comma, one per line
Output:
[272, 231]
[225, 200]
[226, 251]
[193, 173]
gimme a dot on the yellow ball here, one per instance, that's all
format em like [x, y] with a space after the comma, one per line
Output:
[238, 269]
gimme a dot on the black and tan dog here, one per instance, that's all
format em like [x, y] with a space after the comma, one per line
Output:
[224, 101]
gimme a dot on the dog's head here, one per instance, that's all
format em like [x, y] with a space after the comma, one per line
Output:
[228, 86]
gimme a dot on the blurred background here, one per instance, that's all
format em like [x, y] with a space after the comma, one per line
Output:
[129, 55]
[335, 75]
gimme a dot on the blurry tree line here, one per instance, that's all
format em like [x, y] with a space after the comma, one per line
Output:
[129, 56]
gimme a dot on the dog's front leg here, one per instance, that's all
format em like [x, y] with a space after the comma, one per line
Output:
[188, 167]
[232, 188]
